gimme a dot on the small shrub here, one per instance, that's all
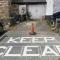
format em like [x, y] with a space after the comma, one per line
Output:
[49, 22]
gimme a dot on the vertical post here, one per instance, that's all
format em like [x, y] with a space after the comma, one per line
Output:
[10, 1]
[56, 23]
[26, 11]
[9, 5]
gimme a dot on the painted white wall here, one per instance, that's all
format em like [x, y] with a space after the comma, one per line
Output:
[56, 6]
[49, 7]
[37, 11]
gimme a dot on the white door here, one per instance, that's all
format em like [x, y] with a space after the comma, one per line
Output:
[37, 11]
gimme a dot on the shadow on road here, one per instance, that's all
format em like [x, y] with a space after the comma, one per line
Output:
[3, 33]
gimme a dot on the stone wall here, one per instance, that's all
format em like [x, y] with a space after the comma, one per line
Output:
[14, 8]
[4, 8]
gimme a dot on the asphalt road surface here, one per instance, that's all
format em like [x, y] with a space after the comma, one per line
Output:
[15, 50]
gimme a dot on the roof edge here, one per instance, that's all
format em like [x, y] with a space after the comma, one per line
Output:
[28, 3]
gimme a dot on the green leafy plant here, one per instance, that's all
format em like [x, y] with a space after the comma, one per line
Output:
[28, 15]
[49, 22]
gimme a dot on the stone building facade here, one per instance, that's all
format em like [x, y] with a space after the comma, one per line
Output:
[4, 8]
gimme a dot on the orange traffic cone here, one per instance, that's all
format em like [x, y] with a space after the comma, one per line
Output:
[59, 59]
[33, 29]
